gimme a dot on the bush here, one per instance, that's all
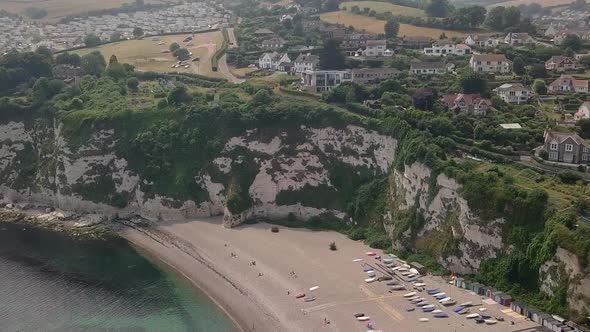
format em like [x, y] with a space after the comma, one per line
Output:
[582, 168]
[274, 229]
[568, 177]
[544, 154]
[333, 246]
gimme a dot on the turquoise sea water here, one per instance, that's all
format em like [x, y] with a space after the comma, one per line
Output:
[50, 281]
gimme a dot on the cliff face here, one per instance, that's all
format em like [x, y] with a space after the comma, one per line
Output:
[426, 212]
[37, 165]
[564, 268]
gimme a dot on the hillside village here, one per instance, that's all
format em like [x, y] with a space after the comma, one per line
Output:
[21, 34]
[506, 98]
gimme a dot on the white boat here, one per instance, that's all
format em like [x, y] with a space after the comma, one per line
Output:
[483, 309]
[450, 302]
[470, 316]
[371, 274]
[406, 265]
[397, 287]
[419, 284]
[413, 297]
[357, 260]
[405, 273]
[490, 321]
[410, 294]
[414, 271]
[369, 280]
[363, 318]
[466, 304]
[423, 320]
[444, 300]
[401, 269]
[436, 311]
[387, 260]
[411, 275]
[439, 294]
[314, 288]
[396, 268]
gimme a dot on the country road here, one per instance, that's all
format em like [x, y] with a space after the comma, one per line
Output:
[222, 64]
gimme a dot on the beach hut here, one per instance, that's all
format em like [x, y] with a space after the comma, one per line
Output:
[496, 296]
[477, 288]
[458, 282]
[506, 300]
[549, 322]
[421, 269]
[488, 291]
[516, 307]
[534, 315]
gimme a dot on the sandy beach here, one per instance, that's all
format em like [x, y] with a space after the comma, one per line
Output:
[261, 296]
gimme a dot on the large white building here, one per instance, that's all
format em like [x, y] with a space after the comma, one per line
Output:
[514, 93]
[324, 80]
[447, 47]
[305, 62]
[490, 63]
[273, 60]
[374, 48]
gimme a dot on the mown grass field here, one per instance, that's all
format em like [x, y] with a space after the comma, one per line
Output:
[543, 3]
[373, 25]
[147, 55]
[57, 9]
[384, 7]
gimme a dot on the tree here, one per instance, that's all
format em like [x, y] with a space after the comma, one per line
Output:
[178, 95]
[92, 40]
[113, 59]
[93, 63]
[262, 97]
[391, 28]
[331, 5]
[35, 13]
[72, 59]
[116, 36]
[584, 128]
[116, 71]
[438, 8]
[182, 54]
[572, 41]
[137, 32]
[518, 66]
[495, 19]
[473, 82]
[173, 47]
[132, 83]
[538, 71]
[331, 57]
[424, 99]
[585, 61]
[540, 87]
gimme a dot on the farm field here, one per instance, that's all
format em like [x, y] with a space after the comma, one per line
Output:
[373, 25]
[147, 55]
[57, 9]
[384, 7]
[543, 3]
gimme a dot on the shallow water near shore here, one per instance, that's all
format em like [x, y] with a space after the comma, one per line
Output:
[50, 281]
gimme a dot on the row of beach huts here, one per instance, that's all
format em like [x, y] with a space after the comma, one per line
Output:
[551, 322]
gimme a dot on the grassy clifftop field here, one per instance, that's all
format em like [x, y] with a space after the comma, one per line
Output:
[384, 7]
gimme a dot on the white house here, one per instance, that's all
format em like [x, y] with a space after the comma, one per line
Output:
[306, 62]
[482, 41]
[324, 80]
[583, 112]
[272, 60]
[567, 83]
[446, 47]
[430, 68]
[514, 93]
[490, 63]
[374, 48]
[518, 38]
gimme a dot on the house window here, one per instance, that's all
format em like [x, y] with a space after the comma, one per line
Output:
[569, 147]
[552, 155]
[584, 157]
[553, 146]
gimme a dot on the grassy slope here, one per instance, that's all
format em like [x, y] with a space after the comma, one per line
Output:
[57, 9]
[373, 25]
[544, 3]
[147, 55]
[383, 7]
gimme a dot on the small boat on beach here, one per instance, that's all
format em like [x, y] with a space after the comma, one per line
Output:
[392, 283]
[485, 316]
[310, 299]
[410, 279]
[441, 297]
[432, 291]
[429, 309]
[314, 288]
[470, 316]
[397, 287]
[479, 321]
[421, 304]
[436, 311]
[410, 309]
[298, 296]
[464, 311]
[418, 300]
[357, 260]
[490, 321]
[370, 253]
[448, 303]
[387, 260]
[369, 280]
[499, 319]
[419, 284]
[428, 306]
[441, 315]
[410, 294]
[363, 318]
[439, 294]
[360, 314]
[413, 297]
[423, 320]
[483, 309]
[459, 309]
[466, 304]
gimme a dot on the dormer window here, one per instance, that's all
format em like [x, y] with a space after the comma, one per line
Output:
[553, 146]
[569, 148]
